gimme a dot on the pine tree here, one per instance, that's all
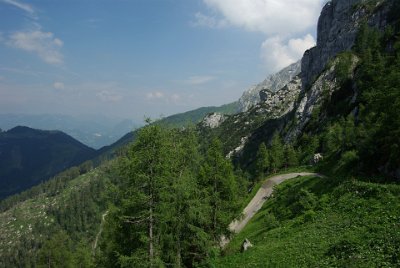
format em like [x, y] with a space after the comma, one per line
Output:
[262, 161]
[217, 178]
[161, 218]
[56, 252]
[276, 153]
[291, 157]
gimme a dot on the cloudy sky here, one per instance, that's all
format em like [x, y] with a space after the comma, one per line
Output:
[130, 58]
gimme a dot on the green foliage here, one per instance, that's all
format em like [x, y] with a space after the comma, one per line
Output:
[173, 205]
[340, 224]
[343, 67]
[276, 153]
[309, 145]
[290, 156]
[56, 252]
[217, 178]
[262, 161]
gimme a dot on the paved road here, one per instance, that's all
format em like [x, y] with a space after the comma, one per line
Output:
[259, 199]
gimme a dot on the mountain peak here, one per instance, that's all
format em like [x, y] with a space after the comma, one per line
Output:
[272, 83]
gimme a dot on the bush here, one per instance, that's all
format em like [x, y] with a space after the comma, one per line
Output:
[270, 221]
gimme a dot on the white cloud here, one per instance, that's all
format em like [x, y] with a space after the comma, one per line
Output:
[202, 20]
[44, 44]
[267, 16]
[175, 97]
[108, 96]
[2, 78]
[25, 7]
[58, 85]
[281, 21]
[277, 54]
[198, 80]
[162, 97]
[155, 95]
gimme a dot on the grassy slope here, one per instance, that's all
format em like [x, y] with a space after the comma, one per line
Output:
[30, 221]
[352, 224]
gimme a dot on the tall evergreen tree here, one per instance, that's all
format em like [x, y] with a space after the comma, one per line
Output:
[217, 178]
[161, 219]
[276, 153]
[291, 157]
[262, 161]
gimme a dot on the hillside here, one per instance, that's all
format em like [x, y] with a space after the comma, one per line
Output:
[322, 222]
[29, 156]
[64, 209]
[186, 119]
[171, 192]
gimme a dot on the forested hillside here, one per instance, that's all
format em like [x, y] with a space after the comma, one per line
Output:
[29, 156]
[167, 196]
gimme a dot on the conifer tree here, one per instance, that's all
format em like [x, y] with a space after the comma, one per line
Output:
[217, 178]
[262, 161]
[276, 153]
[291, 157]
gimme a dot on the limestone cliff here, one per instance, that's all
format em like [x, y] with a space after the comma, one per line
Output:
[337, 30]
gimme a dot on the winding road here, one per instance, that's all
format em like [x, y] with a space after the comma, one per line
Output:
[258, 200]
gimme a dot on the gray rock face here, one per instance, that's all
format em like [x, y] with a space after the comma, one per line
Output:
[279, 103]
[337, 30]
[325, 85]
[213, 120]
[273, 83]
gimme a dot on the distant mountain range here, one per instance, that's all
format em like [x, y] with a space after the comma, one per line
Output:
[29, 156]
[94, 131]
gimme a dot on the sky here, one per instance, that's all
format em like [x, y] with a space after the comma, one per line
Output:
[137, 58]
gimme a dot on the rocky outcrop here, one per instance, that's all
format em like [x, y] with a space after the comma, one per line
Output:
[273, 83]
[279, 103]
[323, 87]
[213, 120]
[337, 30]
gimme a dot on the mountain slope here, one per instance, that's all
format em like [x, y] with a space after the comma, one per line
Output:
[189, 118]
[322, 222]
[57, 208]
[29, 156]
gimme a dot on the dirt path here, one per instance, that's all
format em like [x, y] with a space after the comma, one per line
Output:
[99, 233]
[259, 199]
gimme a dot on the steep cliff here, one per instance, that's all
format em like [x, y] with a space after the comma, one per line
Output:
[338, 25]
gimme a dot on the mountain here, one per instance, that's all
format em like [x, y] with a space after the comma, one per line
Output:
[329, 91]
[29, 156]
[171, 195]
[273, 83]
[190, 118]
[94, 131]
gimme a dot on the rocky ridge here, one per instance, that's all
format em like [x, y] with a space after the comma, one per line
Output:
[272, 83]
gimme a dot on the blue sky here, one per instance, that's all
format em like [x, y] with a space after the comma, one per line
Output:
[136, 58]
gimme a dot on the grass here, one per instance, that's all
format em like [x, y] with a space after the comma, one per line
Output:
[322, 222]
